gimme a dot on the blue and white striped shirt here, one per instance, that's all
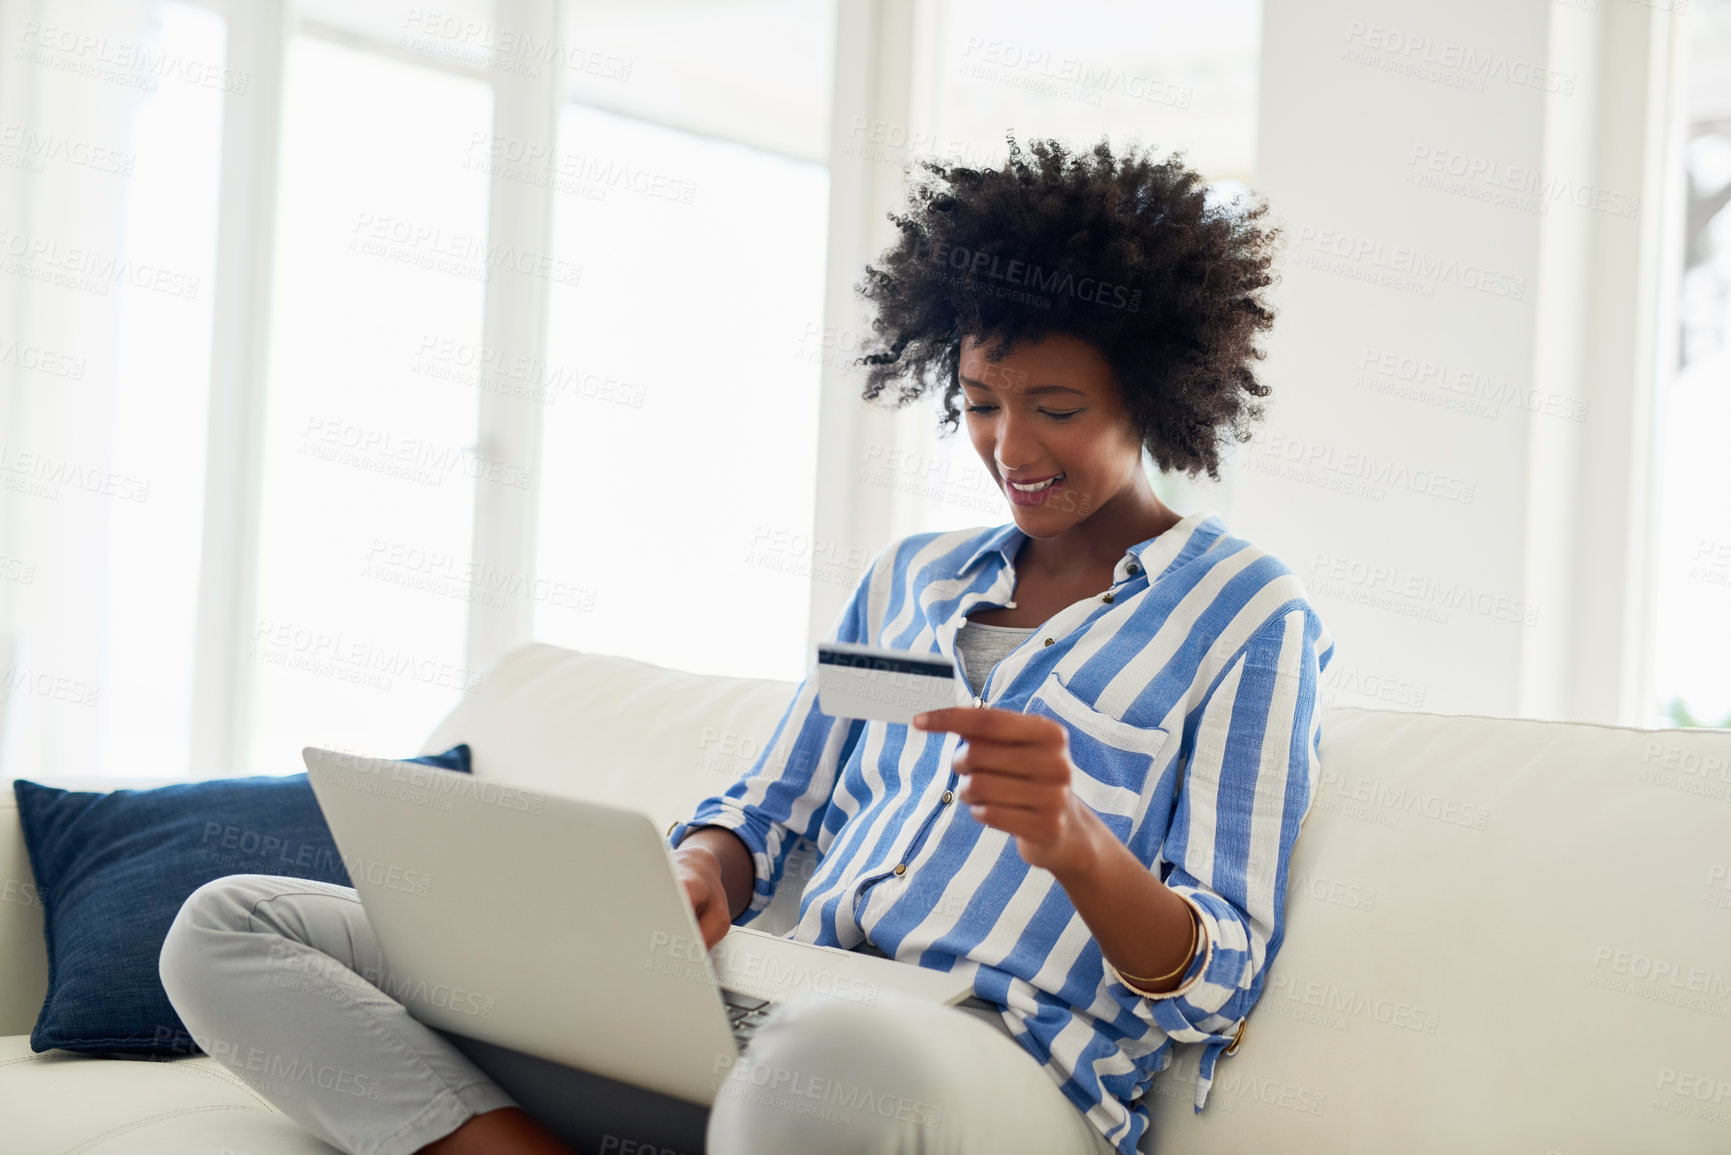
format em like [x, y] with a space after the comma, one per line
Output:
[1189, 692]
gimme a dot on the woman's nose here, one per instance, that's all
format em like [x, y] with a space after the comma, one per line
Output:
[1016, 449]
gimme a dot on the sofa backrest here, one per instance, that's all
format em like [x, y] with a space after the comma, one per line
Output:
[1497, 929]
[612, 729]
[616, 730]
[1501, 935]
[23, 955]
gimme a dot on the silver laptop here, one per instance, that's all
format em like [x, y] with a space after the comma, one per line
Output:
[556, 927]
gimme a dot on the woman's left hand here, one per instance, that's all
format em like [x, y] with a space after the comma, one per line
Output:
[1016, 769]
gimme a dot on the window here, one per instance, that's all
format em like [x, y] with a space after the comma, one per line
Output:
[1165, 75]
[680, 426]
[1692, 588]
[370, 462]
[288, 456]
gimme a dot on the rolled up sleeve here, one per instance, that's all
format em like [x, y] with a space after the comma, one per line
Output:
[784, 794]
[1247, 785]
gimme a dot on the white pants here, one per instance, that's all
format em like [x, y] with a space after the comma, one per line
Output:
[270, 976]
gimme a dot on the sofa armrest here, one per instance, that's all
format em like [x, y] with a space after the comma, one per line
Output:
[23, 955]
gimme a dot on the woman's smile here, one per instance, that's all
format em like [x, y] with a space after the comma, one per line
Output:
[1033, 492]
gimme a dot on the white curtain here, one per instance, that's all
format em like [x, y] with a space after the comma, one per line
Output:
[110, 123]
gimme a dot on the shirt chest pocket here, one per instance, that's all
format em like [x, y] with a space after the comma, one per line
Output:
[1113, 758]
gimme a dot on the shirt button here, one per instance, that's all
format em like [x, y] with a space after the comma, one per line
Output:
[949, 797]
[1107, 596]
[1048, 641]
[901, 868]
[1134, 568]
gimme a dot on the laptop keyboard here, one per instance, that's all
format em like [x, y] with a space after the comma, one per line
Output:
[744, 1013]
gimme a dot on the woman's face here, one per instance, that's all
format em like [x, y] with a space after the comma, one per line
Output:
[1050, 409]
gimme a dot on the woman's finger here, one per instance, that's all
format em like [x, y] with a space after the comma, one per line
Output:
[990, 723]
[1004, 790]
[1014, 820]
[712, 921]
[1032, 763]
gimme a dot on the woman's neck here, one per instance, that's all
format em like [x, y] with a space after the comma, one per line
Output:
[1100, 541]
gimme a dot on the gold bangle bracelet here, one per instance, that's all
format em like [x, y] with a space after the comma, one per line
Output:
[1189, 956]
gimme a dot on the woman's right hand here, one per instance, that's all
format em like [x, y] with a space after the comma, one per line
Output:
[699, 872]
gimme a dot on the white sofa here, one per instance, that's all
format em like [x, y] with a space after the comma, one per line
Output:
[1503, 935]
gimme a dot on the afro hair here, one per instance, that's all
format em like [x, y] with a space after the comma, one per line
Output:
[1130, 254]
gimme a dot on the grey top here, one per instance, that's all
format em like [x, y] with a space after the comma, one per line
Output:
[980, 647]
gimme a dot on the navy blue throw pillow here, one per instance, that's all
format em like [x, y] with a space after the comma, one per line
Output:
[113, 870]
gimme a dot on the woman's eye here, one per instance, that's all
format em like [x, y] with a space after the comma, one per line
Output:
[1064, 416]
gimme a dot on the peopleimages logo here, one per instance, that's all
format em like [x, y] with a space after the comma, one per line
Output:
[57, 687]
[1337, 1004]
[104, 58]
[1419, 51]
[802, 1093]
[462, 254]
[88, 270]
[1067, 77]
[40, 360]
[544, 166]
[335, 765]
[1365, 467]
[993, 267]
[344, 442]
[1389, 371]
[36, 146]
[1669, 975]
[518, 50]
[1368, 259]
[1343, 678]
[1334, 573]
[1528, 187]
[43, 475]
[358, 660]
[281, 1071]
[1385, 803]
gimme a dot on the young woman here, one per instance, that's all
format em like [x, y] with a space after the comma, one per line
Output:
[1100, 842]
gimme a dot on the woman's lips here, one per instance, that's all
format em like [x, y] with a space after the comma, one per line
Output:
[1036, 496]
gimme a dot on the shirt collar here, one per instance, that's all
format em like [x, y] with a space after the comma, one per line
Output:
[1156, 555]
[1005, 540]
[1152, 557]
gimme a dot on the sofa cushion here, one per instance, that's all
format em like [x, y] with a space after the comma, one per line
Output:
[57, 1103]
[112, 870]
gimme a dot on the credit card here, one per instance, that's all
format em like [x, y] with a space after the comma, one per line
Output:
[856, 681]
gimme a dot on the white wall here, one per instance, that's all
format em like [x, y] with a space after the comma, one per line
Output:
[1455, 458]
